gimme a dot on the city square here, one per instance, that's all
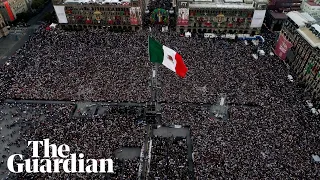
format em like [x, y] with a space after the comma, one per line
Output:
[241, 111]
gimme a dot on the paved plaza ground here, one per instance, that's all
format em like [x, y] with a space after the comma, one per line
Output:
[15, 116]
[19, 35]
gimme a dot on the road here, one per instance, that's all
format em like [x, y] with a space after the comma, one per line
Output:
[18, 36]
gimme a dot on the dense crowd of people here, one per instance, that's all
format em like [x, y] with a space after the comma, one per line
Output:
[97, 138]
[62, 66]
[85, 65]
[169, 158]
[270, 132]
[275, 141]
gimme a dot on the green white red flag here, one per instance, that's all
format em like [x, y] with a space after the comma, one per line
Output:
[169, 58]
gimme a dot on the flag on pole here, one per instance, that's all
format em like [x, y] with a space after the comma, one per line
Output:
[159, 53]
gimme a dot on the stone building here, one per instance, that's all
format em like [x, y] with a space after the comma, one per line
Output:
[274, 20]
[10, 8]
[220, 16]
[311, 7]
[3, 27]
[111, 14]
[284, 6]
[276, 12]
[302, 32]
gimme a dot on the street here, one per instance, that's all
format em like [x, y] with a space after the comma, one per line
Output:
[19, 35]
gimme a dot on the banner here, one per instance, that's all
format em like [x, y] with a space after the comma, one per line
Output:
[8, 8]
[159, 16]
[135, 15]
[165, 29]
[183, 17]
[257, 19]
[209, 35]
[282, 47]
[313, 68]
[243, 35]
[61, 14]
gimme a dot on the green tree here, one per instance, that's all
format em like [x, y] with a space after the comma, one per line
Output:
[48, 17]
[24, 16]
[37, 4]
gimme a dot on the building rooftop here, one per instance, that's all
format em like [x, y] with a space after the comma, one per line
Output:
[310, 37]
[261, 1]
[298, 18]
[248, 1]
[308, 17]
[98, 1]
[277, 15]
[222, 5]
[316, 27]
[233, 1]
[312, 3]
[202, 0]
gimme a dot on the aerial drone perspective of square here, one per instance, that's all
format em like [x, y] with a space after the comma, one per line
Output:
[159, 89]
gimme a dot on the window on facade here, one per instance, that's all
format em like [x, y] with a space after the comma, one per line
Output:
[298, 48]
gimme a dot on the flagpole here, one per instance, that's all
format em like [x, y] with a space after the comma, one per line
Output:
[154, 68]
[151, 107]
[154, 83]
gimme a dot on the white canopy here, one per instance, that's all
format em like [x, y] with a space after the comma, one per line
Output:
[316, 158]
[290, 78]
[254, 56]
[53, 25]
[261, 52]
[188, 34]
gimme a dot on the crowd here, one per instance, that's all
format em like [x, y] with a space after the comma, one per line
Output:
[130, 168]
[270, 132]
[276, 141]
[96, 138]
[169, 158]
[64, 66]
[124, 169]
[85, 65]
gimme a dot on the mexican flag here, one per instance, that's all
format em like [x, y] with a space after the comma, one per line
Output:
[169, 58]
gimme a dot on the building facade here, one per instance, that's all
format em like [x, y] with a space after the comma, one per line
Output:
[3, 27]
[10, 8]
[302, 34]
[277, 10]
[111, 14]
[228, 16]
[311, 7]
[284, 5]
[274, 20]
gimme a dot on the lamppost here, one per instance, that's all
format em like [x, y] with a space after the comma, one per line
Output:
[146, 19]
[171, 17]
[171, 11]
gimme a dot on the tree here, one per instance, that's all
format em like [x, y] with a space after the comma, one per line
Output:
[24, 16]
[48, 17]
[37, 4]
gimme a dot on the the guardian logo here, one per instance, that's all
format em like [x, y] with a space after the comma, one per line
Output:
[60, 159]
